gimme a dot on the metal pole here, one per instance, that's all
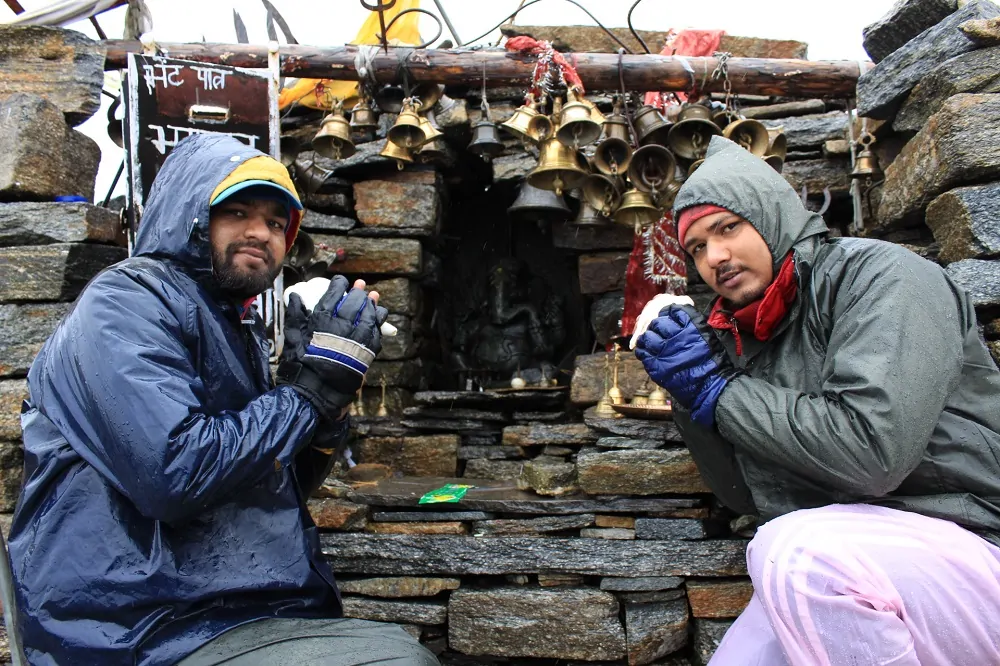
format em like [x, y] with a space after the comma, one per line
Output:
[447, 22]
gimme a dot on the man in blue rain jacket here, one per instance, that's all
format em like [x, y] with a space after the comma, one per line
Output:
[166, 476]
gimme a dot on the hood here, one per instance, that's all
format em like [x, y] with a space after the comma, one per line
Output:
[174, 223]
[739, 181]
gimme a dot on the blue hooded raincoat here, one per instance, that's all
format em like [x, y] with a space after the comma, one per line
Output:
[161, 505]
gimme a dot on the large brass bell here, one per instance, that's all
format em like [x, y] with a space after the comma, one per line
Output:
[400, 154]
[650, 126]
[865, 164]
[485, 140]
[334, 137]
[518, 123]
[577, 126]
[540, 127]
[665, 199]
[302, 251]
[431, 133]
[749, 134]
[363, 118]
[589, 217]
[390, 99]
[652, 168]
[602, 192]
[406, 132]
[723, 117]
[690, 136]
[428, 94]
[559, 168]
[779, 143]
[616, 126]
[637, 210]
[612, 156]
[538, 205]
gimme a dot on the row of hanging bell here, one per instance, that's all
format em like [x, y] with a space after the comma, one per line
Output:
[413, 135]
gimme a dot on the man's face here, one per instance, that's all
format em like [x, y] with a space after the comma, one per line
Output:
[248, 244]
[731, 257]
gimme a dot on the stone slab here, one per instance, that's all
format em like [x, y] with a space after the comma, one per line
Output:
[882, 89]
[560, 580]
[428, 516]
[812, 130]
[707, 636]
[667, 528]
[603, 272]
[372, 256]
[402, 345]
[56, 272]
[613, 533]
[338, 514]
[314, 221]
[981, 279]
[417, 612]
[563, 434]
[483, 468]
[11, 474]
[785, 109]
[718, 599]
[658, 430]
[551, 478]
[974, 72]
[966, 222]
[395, 587]
[532, 526]
[63, 66]
[399, 296]
[626, 522]
[456, 413]
[487, 452]
[816, 174]
[568, 236]
[428, 455]
[23, 330]
[41, 157]
[523, 622]
[39, 223]
[641, 584]
[450, 425]
[588, 382]
[502, 401]
[459, 556]
[615, 442]
[12, 393]
[655, 630]
[407, 201]
[629, 472]
[905, 20]
[453, 528]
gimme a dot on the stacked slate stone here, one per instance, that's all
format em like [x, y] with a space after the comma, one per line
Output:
[50, 82]
[934, 101]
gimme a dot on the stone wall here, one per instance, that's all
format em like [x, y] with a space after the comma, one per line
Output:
[934, 105]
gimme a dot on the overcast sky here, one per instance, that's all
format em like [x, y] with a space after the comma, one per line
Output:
[831, 28]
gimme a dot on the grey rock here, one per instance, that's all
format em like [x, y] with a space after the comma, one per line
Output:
[404, 555]
[418, 612]
[522, 622]
[966, 222]
[402, 345]
[490, 453]
[371, 256]
[613, 533]
[568, 236]
[817, 174]
[532, 526]
[632, 472]
[813, 130]
[981, 279]
[41, 157]
[365, 163]
[538, 416]
[62, 66]
[401, 203]
[395, 587]
[491, 399]
[615, 442]
[482, 468]
[605, 316]
[548, 477]
[399, 296]
[669, 528]
[974, 72]
[513, 168]
[29, 223]
[56, 272]
[464, 414]
[664, 431]
[12, 393]
[334, 204]
[707, 636]
[23, 331]
[332, 224]
[881, 90]
[428, 516]
[541, 434]
[447, 425]
[655, 630]
[11, 474]
[785, 109]
[641, 584]
[409, 374]
[904, 21]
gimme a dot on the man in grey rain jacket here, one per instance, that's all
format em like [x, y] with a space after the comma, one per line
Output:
[838, 389]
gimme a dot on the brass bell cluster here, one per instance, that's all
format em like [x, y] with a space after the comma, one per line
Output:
[414, 136]
[651, 401]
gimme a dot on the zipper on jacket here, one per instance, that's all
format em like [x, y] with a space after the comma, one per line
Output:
[736, 334]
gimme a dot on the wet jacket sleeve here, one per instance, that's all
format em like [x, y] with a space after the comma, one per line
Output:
[894, 354]
[126, 393]
[716, 460]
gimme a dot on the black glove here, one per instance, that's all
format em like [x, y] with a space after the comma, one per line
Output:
[328, 352]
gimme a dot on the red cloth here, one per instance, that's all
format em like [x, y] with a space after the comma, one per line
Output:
[694, 43]
[692, 214]
[763, 315]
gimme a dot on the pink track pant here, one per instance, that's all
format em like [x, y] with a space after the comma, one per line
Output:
[861, 585]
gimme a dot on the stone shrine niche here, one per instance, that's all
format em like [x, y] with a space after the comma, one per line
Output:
[509, 304]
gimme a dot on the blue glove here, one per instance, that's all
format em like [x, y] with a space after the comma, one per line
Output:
[327, 352]
[681, 354]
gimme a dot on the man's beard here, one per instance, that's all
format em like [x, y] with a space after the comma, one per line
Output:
[242, 283]
[745, 297]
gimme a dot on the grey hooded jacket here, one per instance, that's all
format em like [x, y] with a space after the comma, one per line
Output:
[875, 388]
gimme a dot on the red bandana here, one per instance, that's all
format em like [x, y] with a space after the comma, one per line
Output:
[760, 317]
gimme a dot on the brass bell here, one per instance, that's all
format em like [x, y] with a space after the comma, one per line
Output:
[650, 127]
[559, 168]
[689, 138]
[776, 162]
[289, 148]
[652, 168]
[616, 126]
[577, 127]
[694, 112]
[540, 127]
[428, 95]
[637, 210]
[390, 99]
[694, 166]
[334, 138]
[302, 251]
[602, 192]
[485, 141]
[589, 217]
[538, 205]
[723, 117]
[865, 164]
[363, 118]
[749, 134]
[431, 133]
[432, 151]
[406, 132]
[394, 151]
[518, 123]
[657, 398]
[595, 113]
[665, 199]
[779, 143]
[612, 156]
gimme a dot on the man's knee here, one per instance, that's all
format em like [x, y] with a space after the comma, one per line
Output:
[775, 553]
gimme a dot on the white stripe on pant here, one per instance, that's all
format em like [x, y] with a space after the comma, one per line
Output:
[865, 585]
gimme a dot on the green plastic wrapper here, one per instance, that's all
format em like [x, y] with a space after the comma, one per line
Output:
[451, 492]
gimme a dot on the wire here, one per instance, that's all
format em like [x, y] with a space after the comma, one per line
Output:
[417, 10]
[634, 33]
[534, 2]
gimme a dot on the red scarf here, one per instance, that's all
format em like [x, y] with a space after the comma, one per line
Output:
[763, 315]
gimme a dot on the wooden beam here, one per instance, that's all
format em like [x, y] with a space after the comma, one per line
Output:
[599, 71]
